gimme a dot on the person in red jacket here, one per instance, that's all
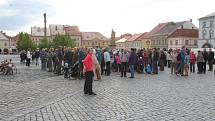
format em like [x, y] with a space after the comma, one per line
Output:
[192, 62]
[88, 69]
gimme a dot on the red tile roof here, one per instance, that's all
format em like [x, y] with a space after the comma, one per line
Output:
[72, 30]
[157, 28]
[134, 37]
[145, 36]
[185, 33]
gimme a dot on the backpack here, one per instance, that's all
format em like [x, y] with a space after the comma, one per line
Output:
[148, 69]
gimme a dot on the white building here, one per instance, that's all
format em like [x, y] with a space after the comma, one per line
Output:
[37, 33]
[56, 29]
[206, 31]
[121, 43]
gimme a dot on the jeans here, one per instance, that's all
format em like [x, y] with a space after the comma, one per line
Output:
[192, 67]
[123, 68]
[37, 61]
[181, 68]
[132, 70]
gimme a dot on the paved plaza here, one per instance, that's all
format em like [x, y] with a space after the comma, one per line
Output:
[35, 95]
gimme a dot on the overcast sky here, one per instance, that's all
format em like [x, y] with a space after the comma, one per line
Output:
[124, 16]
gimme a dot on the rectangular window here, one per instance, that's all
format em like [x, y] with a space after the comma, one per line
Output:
[186, 42]
[176, 42]
[204, 24]
[211, 23]
[171, 42]
[195, 42]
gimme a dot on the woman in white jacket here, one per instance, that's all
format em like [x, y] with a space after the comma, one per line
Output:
[96, 67]
[28, 58]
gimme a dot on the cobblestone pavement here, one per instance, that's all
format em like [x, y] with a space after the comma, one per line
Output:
[160, 97]
[148, 97]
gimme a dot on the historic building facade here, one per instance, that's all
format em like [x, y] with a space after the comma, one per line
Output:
[38, 33]
[206, 31]
[183, 37]
[160, 38]
[4, 42]
[74, 32]
[94, 39]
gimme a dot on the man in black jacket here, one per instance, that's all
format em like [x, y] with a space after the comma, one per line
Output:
[155, 57]
[205, 56]
[210, 59]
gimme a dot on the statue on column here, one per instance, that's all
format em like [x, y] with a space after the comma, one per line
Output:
[113, 34]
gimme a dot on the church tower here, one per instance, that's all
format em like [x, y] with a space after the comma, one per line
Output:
[112, 41]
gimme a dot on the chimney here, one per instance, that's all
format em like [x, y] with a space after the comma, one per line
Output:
[191, 20]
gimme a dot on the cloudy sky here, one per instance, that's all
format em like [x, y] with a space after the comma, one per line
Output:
[132, 16]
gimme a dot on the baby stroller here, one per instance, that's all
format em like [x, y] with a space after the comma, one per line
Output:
[74, 71]
[140, 65]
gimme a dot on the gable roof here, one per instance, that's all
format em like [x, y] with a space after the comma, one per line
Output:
[169, 28]
[209, 15]
[157, 28]
[134, 37]
[93, 35]
[72, 30]
[145, 35]
[3, 36]
[185, 33]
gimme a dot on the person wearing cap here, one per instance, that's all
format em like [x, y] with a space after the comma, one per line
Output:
[88, 69]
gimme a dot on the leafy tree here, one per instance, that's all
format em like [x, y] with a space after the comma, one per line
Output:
[25, 42]
[63, 40]
[44, 43]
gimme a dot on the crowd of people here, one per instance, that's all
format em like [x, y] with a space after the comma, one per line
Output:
[92, 63]
[149, 61]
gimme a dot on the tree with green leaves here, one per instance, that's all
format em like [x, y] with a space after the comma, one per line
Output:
[25, 42]
[44, 43]
[63, 40]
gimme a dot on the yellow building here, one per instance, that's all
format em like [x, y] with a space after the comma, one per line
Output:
[4, 42]
[94, 39]
[145, 40]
